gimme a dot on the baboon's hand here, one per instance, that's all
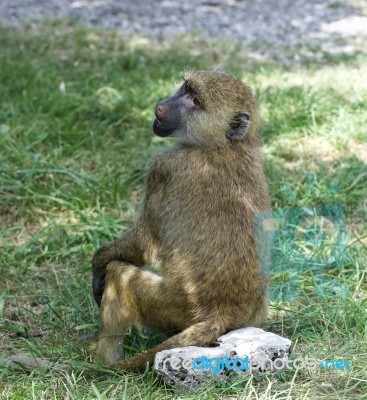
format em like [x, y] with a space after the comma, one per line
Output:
[98, 283]
[100, 260]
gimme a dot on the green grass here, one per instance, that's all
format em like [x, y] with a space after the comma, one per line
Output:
[76, 107]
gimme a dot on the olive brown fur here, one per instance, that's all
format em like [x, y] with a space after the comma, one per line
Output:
[195, 227]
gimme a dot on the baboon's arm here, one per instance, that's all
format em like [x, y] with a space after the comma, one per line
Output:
[126, 248]
[133, 247]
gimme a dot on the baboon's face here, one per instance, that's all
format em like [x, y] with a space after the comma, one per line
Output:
[210, 108]
[172, 113]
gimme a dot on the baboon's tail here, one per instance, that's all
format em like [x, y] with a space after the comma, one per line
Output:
[200, 334]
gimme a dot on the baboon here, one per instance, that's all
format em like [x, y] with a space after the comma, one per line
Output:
[195, 227]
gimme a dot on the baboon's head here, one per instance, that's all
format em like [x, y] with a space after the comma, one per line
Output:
[210, 108]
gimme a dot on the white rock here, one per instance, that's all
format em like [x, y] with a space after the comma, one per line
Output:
[254, 350]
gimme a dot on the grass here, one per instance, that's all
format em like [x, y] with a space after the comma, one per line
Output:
[75, 136]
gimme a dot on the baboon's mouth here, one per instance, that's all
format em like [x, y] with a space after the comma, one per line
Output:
[160, 129]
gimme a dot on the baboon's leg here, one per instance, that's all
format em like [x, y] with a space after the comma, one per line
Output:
[133, 295]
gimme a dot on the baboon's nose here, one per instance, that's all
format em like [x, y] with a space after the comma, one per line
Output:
[160, 111]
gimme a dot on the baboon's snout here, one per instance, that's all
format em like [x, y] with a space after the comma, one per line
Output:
[160, 110]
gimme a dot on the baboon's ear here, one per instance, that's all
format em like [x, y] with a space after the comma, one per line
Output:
[239, 125]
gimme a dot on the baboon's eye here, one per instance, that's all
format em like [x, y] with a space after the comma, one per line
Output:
[186, 87]
[195, 101]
